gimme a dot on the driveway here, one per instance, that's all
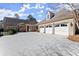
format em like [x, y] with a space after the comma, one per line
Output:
[37, 44]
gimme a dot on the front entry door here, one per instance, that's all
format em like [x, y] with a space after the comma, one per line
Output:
[28, 28]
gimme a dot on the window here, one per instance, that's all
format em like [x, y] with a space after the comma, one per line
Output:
[63, 25]
[46, 26]
[57, 25]
[50, 26]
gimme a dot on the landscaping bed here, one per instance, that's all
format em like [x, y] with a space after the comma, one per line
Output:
[8, 32]
[74, 38]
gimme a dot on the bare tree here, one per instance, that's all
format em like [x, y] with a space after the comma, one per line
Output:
[75, 13]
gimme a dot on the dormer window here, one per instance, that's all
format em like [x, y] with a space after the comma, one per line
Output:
[50, 15]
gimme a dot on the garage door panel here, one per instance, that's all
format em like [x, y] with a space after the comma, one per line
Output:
[61, 30]
[48, 30]
[42, 30]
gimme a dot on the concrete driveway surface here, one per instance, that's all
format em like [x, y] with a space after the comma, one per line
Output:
[37, 44]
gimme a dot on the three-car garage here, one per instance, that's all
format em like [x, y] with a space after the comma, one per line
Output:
[61, 29]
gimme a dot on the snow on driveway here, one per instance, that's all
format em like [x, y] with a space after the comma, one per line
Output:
[33, 43]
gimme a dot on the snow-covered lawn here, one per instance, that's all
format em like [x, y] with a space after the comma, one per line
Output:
[33, 43]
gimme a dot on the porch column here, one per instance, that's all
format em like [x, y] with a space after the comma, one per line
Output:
[44, 29]
[26, 28]
[38, 28]
[53, 29]
[30, 28]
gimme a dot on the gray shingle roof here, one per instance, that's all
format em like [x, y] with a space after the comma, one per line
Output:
[61, 15]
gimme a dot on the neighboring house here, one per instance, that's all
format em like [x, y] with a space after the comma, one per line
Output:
[22, 27]
[62, 23]
[16, 23]
[1, 25]
[31, 27]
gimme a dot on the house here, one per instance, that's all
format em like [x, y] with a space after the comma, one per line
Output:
[1, 25]
[27, 27]
[19, 24]
[62, 23]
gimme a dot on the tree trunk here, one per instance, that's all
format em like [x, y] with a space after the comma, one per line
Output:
[75, 15]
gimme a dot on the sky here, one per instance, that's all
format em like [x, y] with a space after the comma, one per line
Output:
[37, 10]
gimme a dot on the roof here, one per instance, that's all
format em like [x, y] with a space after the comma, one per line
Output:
[59, 16]
[14, 21]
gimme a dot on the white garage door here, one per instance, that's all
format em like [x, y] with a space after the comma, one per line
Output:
[61, 30]
[42, 30]
[49, 29]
